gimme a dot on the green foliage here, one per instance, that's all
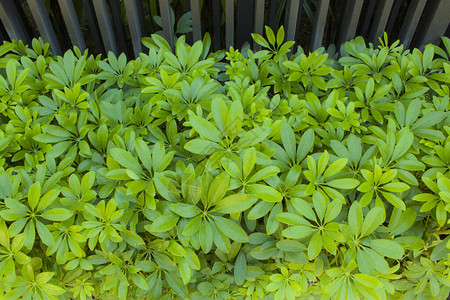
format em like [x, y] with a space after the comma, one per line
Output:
[231, 175]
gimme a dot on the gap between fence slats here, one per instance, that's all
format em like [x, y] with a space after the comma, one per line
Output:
[245, 11]
[216, 24]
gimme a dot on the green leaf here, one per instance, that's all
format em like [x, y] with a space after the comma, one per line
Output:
[240, 268]
[260, 210]
[34, 194]
[265, 192]
[193, 226]
[45, 234]
[306, 144]
[388, 248]
[375, 217]
[185, 210]
[344, 183]
[164, 222]
[48, 199]
[231, 229]
[260, 40]
[304, 208]
[176, 284]
[218, 188]
[235, 203]
[205, 128]
[355, 218]
[253, 137]
[288, 139]
[315, 246]
[367, 280]
[126, 160]
[440, 251]
[394, 200]
[139, 281]
[133, 239]
[199, 146]
[335, 167]
[264, 173]
[57, 214]
[29, 235]
[298, 232]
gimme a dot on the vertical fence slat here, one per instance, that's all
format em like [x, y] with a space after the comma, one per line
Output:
[244, 21]
[273, 4]
[259, 21]
[229, 23]
[367, 17]
[116, 14]
[292, 15]
[94, 29]
[72, 23]
[436, 21]
[380, 20]
[104, 22]
[216, 24]
[12, 21]
[44, 25]
[167, 21]
[411, 21]
[319, 24]
[196, 20]
[350, 20]
[134, 25]
[394, 14]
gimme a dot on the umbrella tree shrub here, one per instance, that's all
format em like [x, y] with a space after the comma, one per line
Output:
[275, 174]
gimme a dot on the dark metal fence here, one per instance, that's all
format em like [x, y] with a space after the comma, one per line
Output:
[119, 25]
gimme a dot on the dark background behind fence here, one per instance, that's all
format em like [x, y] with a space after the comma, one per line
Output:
[119, 25]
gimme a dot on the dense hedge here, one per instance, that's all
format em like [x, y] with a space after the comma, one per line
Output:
[228, 175]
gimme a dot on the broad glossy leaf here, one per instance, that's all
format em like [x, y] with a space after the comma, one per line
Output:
[231, 229]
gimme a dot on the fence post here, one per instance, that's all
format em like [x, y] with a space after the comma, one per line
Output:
[104, 22]
[12, 22]
[292, 13]
[259, 21]
[229, 22]
[319, 24]
[380, 20]
[44, 25]
[350, 20]
[167, 22]
[196, 20]
[411, 21]
[72, 24]
[435, 24]
[134, 24]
